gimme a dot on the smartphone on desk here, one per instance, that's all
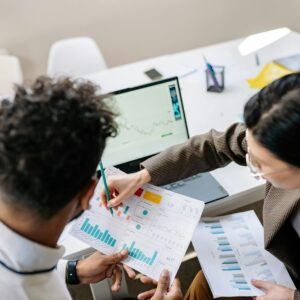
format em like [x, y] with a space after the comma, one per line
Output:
[153, 74]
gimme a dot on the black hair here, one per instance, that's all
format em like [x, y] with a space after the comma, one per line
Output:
[52, 136]
[273, 116]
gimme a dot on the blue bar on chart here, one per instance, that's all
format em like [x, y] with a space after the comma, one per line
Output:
[239, 282]
[223, 244]
[222, 241]
[231, 267]
[139, 255]
[230, 261]
[126, 210]
[95, 232]
[224, 248]
[215, 227]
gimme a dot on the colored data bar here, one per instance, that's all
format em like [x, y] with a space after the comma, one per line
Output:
[217, 232]
[139, 255]
[224, 244]
[152, 197]
[123, 213]
[225, 248]
[95, 232]
[232, 267]
[139, 192]
[230, 262]
[126, 210]
[228, 259]
[239, 282]
[215, 227]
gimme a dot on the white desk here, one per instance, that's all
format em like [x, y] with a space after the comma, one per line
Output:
[205, 110]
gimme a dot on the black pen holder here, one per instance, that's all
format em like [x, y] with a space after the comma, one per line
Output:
[219, 73]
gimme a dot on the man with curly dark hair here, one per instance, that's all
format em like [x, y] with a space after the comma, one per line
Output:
[52, 137]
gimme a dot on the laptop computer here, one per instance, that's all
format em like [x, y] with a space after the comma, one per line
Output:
[151, 118]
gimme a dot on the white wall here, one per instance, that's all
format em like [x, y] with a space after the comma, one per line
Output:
[129, 30]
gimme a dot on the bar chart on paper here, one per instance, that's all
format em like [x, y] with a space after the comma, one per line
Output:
[95, 232]
[148, 225]
[231, 248]
[138, 254]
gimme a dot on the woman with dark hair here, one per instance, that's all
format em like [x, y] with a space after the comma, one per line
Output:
[269, 144]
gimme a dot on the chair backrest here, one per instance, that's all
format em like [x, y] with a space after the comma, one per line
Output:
[10, 74]
[4, 51]
[75, 57]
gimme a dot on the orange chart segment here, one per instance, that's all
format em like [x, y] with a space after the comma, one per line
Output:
[152, 197]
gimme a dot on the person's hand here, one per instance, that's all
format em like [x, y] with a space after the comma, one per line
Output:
[162, 291]
[130, 272]
[273, 291]
[121, 187]
[98, 266]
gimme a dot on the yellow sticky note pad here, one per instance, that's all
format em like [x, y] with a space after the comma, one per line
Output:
[155, 198]
[269, 73]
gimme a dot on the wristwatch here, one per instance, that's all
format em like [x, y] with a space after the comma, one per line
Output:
[71, 273]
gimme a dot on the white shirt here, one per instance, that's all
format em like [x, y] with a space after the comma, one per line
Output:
[22, 255]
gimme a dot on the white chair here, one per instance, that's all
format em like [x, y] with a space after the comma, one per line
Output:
[4, 51]
[75, 57]
[10, 74]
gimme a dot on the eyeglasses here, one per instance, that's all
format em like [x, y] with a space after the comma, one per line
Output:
[254, 170]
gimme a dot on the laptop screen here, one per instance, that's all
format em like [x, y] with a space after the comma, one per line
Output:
[150, 119]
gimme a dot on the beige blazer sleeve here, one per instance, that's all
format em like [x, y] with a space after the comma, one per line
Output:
[200, 153]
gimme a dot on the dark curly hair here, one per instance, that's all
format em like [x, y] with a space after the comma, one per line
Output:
[52, 136]
[273, 115]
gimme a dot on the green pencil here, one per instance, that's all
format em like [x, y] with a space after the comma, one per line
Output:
[105, 186]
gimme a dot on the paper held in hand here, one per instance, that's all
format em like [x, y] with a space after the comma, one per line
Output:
[155, 225]
[231, 252]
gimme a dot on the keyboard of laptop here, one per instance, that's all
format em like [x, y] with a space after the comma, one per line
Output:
[202, 186]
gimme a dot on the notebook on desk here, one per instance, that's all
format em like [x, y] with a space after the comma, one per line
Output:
[151, 118]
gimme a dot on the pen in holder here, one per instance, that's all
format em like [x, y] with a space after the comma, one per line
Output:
[215, 79]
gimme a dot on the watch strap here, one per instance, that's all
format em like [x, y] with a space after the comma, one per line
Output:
[71, 273]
